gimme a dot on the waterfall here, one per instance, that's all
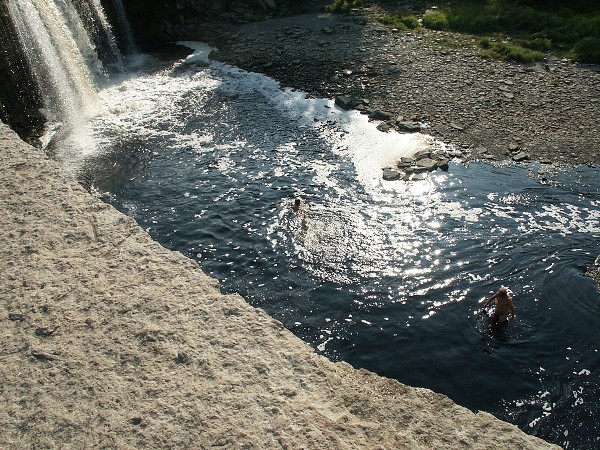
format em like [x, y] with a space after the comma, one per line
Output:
[100, 30]
[123, 22]
[69, 46]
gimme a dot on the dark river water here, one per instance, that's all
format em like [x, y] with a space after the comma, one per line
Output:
[387, 276]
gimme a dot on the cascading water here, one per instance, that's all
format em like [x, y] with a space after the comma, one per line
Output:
[124, 27]
[62, 42]
[101, 32]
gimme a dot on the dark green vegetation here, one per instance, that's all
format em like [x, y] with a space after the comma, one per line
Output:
[400, 21]
[339, 6]
[519, 30]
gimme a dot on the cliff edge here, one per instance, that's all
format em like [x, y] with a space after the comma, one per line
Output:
[109, 340]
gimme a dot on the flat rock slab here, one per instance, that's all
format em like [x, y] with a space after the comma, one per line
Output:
[426, 164]
[107, 339]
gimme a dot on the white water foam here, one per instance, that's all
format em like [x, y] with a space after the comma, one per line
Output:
[369, 149]
[138, 103]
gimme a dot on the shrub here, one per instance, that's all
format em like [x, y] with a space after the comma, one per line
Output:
[411, 22]
[539, 43]
[571, 27]
[435, 20]
[511, 52]
[485, 42]
[339, 6]
[399, 21]
[587, 50]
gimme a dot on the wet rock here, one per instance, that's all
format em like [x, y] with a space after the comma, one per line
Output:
[383, 127]
[405, 162]
[426, 165]
[410, 127]
[375, 114]
[444, 164]
[425, 153]
[420, 176]
[521, 156]
[390, 174]
[416, 167]
[345, 102]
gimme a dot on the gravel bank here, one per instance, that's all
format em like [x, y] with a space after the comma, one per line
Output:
[109, 340]
[546, 112]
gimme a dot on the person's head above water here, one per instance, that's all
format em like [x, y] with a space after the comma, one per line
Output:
[503, 292]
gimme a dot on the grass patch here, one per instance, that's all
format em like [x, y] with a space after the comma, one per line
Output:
[343, 6]
[402, 22]
[435, 20]
[571, 28]
[507, 51]
[448, 42]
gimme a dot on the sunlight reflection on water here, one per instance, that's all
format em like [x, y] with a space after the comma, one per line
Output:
[386, 275]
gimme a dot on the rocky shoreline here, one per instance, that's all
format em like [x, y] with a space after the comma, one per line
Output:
[490, 110]
[110, 340]
[430, 81]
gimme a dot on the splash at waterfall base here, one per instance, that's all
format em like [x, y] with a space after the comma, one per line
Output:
[108, 339]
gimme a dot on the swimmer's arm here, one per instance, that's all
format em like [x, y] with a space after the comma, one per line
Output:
[489, 300]
[513, 310]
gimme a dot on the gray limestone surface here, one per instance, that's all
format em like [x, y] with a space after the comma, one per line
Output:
[108, 340]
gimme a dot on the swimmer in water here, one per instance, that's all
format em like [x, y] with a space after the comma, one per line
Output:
[504, 310]
[298, 205]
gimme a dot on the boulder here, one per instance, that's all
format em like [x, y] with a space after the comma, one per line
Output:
[426, 165]
[521, 156]
[405, 162]
[444, 164]
[384, 127]
[390, 174]
[425, 153]
[419, 176]
[375, 114]
[345, 102]
[410, 127]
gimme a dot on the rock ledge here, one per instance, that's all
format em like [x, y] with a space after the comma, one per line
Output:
[109, 340]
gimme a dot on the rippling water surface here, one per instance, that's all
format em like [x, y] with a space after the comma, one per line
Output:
[388, 276]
